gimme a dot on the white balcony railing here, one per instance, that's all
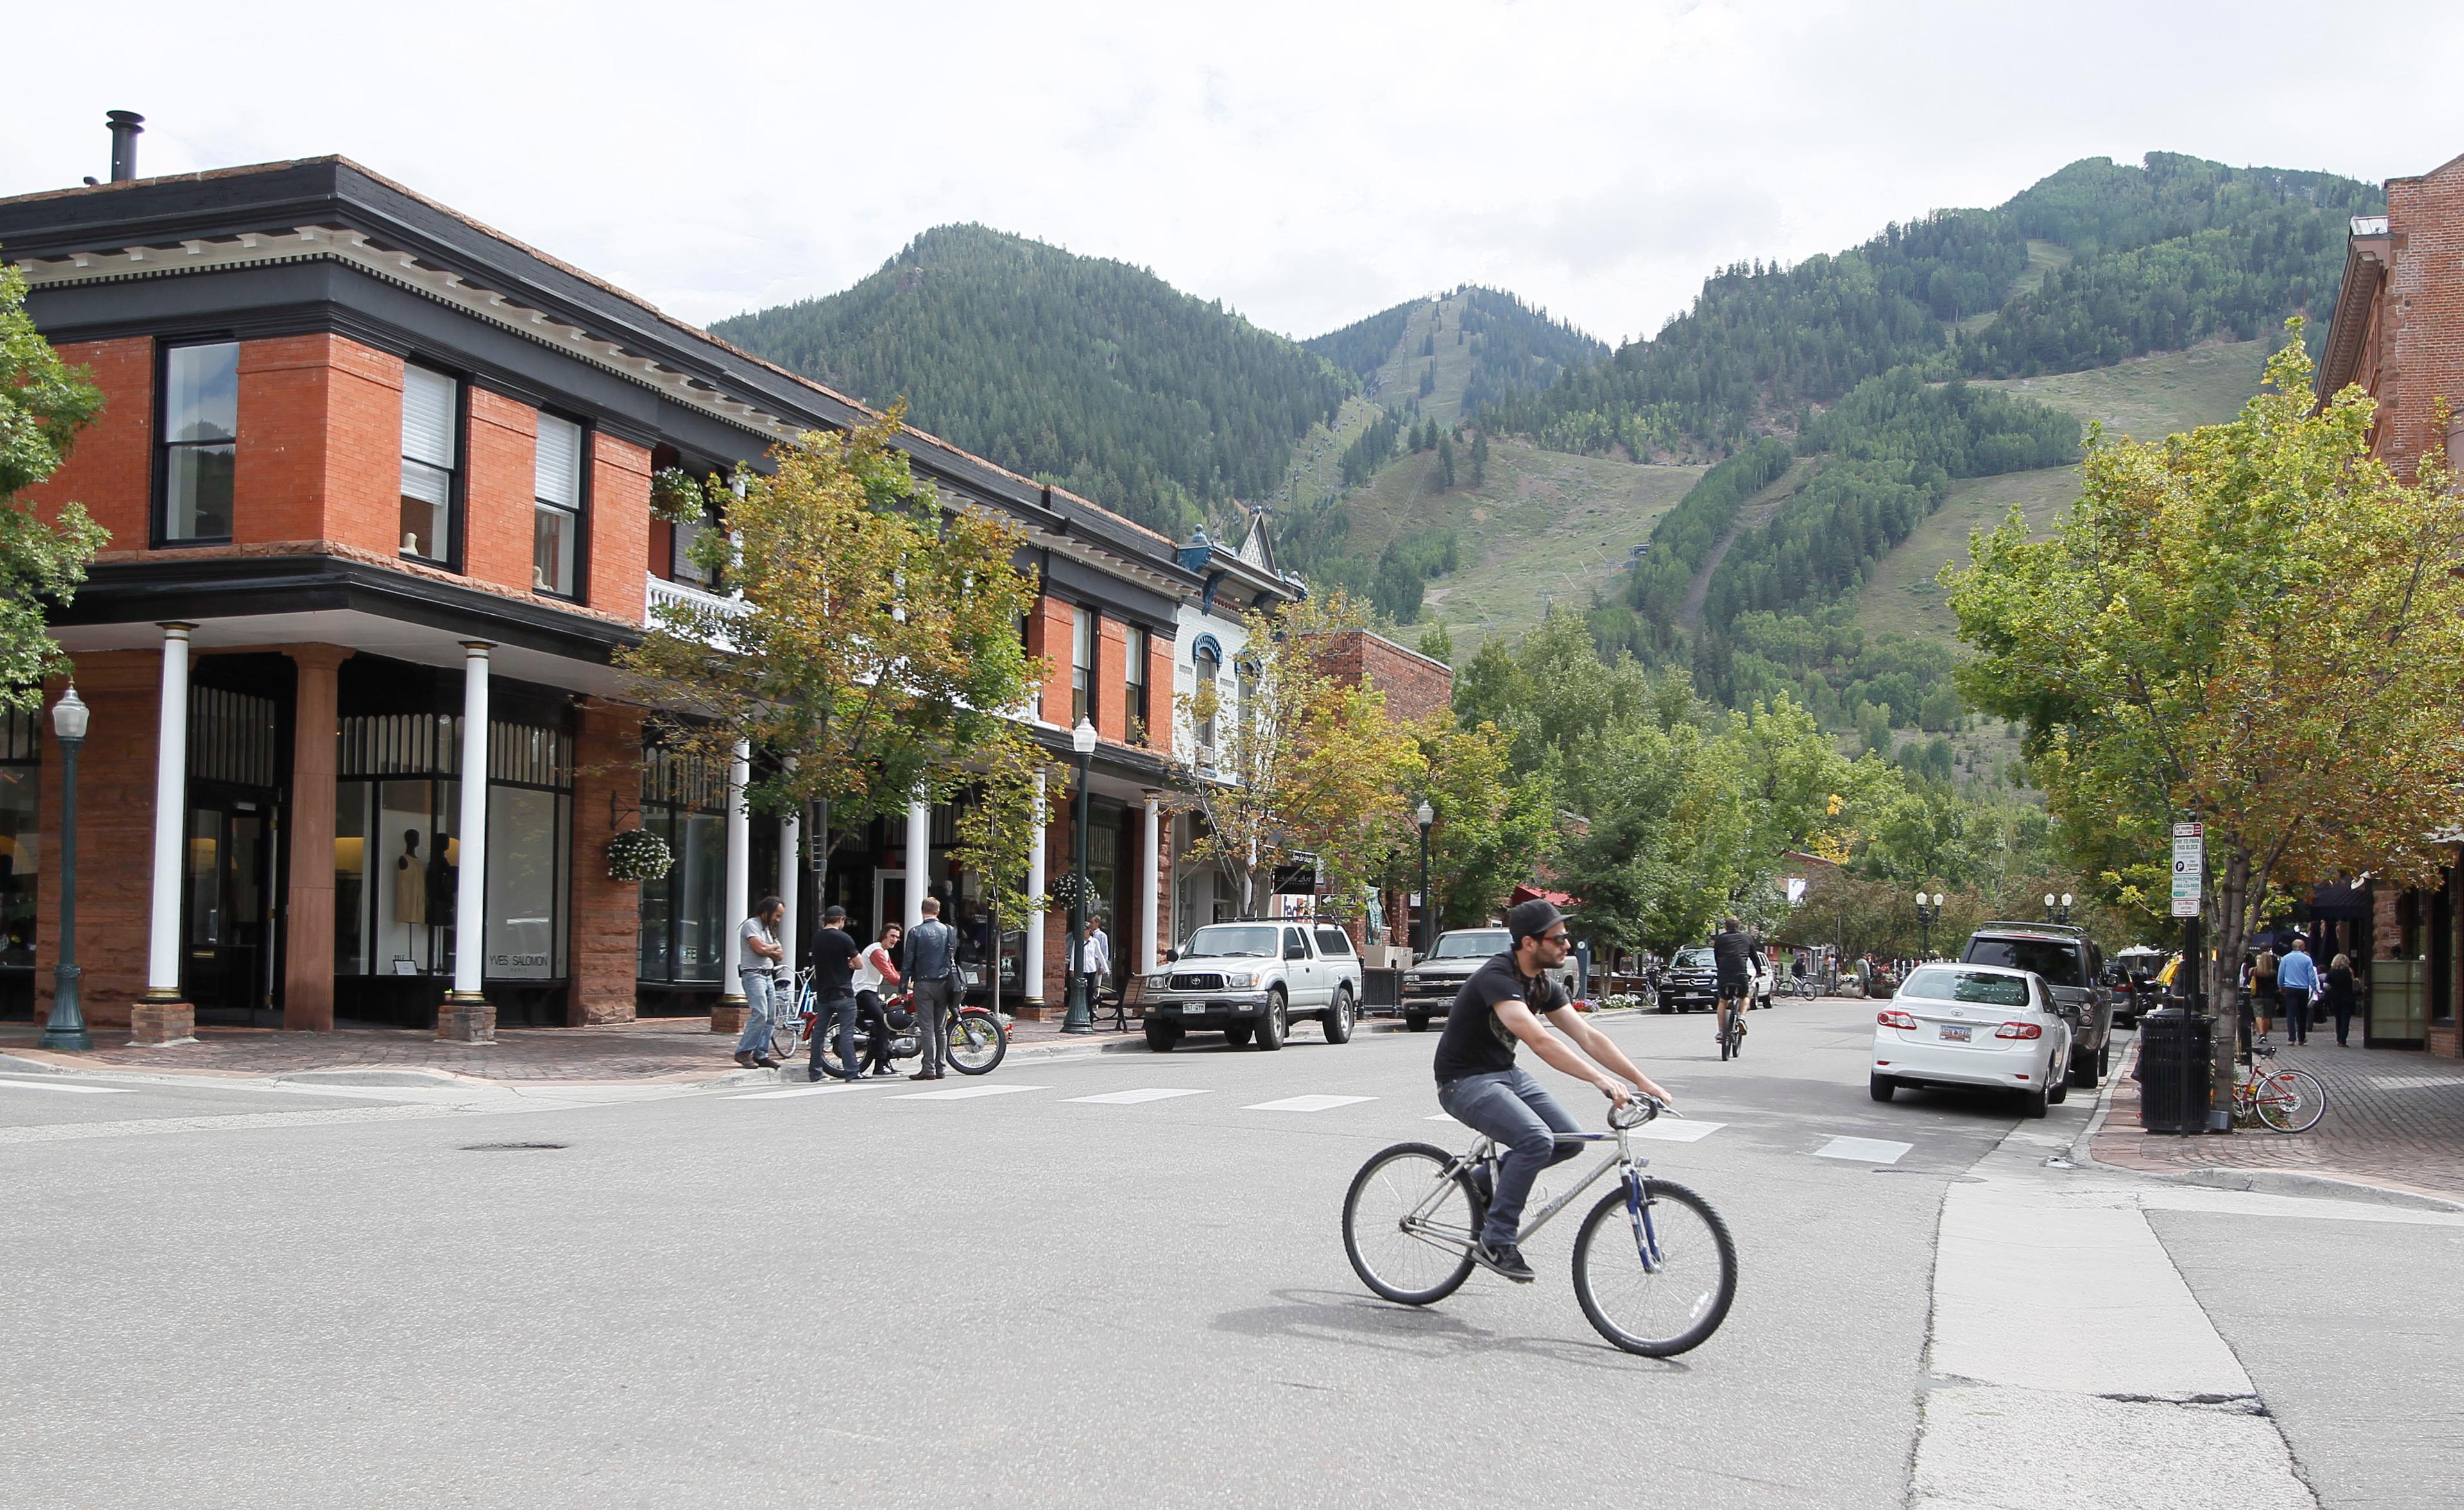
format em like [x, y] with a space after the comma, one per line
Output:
[660, 592]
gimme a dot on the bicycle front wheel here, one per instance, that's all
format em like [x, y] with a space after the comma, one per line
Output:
[1408, 1230]
[785, 1036]
[977, 1042]
[2290, 1101]
[1655, 1276]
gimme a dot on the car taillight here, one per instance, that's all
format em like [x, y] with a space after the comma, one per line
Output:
[1894, 1019]
[2018, 1029]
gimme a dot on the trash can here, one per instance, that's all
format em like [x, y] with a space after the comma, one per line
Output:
[1382, 991]
[2172, 1093]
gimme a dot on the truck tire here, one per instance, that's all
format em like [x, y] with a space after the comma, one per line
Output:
[1236, 1035]
[1337, 1020]
[1272, 1026]
[2085, 1072]
[1416, 1022]
[1162, 1035]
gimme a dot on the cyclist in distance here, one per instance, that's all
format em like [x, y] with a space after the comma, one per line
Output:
[1732, 955]
[1479, 1084]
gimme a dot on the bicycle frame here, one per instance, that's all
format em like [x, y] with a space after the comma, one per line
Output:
[1485, 1149]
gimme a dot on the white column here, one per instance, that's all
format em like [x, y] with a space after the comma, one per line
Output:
[791, 839]
[740, 865]
[1148, 907]
[1032, 967]
[919, 859]
[471, 874]
[170, 816]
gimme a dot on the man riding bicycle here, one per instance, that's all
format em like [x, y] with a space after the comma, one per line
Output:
[1733, 956]
[1478, 1085]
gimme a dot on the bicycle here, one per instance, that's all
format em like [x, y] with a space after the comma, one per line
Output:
[1800, 987]
[2286, 1101]
[978, 1040]
[1732, 1023]
[1654, 1268]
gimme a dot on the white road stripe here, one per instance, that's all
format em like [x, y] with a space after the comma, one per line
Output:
[74, 1090]
[801, 1090]
[1864, 1150]
[1677, 1130]
[964, 1093]
[1309, 1104]
[1131, 1098]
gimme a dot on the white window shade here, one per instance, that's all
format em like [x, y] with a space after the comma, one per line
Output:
[428, 417]
[560, 462]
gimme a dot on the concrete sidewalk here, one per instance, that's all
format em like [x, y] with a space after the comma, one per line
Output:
[2394, 1121]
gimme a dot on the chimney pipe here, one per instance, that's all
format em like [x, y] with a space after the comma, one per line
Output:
[125, 126]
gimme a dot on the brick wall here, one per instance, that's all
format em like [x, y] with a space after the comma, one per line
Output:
[110, 467]
[1160, 691]
[308, 951]
[606, 913]
[2422, 311]
[620, 521]
[1416, 686]
[279, 479]
[115, 835]
[1047, 634]
[1112, 679]
[362, 397]
[500, 476]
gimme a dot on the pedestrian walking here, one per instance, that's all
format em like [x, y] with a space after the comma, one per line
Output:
[2297, 981]
[876, 977]
[756, 966]
[2341, 995]
[834, 956]
[1094, 963]
[932, 961]
[2262, 988]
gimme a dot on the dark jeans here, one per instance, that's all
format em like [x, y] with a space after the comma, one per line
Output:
[2343, 1010]
[1509, 1107]
[839, 1012]
[2296, 1015]
[932, 1023]
[875, 1017]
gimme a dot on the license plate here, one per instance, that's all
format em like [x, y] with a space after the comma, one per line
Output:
[1193, 1009]
[1955, 1033]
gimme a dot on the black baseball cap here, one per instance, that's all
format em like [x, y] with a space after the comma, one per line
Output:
[836, 914]
[1531, 918]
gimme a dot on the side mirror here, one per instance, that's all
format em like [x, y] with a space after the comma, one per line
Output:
[1296, 951]
[1171, 956]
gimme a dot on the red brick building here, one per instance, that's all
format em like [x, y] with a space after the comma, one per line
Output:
[377, 480]
[2398, 332]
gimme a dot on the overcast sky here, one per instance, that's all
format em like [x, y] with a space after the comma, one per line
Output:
[1307, 163]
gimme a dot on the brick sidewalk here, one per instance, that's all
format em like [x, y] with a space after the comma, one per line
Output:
[2394, 1120]
[680, 1049]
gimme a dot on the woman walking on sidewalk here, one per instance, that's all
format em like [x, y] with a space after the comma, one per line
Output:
[2340, 995]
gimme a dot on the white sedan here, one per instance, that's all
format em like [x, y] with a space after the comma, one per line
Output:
[1973, 1024]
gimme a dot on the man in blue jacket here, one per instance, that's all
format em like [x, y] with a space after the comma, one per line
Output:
[2296, 983]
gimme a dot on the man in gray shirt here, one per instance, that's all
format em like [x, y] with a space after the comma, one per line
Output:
[932, 965]
[757, 964]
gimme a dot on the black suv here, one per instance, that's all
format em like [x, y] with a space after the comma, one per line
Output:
[2072, 968]
[1690, 984]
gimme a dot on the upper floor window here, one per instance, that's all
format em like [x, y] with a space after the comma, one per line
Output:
[1134, 678]
[1207, 665]
[1082, 665]
[430, 436]
[556, 536]
[200, 425]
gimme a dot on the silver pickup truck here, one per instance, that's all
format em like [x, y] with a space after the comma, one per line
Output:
[1251, 978]
[1430, 986]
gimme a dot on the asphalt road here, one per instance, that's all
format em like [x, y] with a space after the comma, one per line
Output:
[260, 1297]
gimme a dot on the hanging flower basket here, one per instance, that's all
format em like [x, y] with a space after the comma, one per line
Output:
[676, 496]
[1065, 891]
[637, 854]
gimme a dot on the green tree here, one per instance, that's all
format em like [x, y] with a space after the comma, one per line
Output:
[873, 650]
[2255, 623]
[1479, 457]
[1491, 828]
[1446, 464]
[44, 402]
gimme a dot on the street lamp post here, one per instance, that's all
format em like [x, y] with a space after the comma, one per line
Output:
[65, 1029]
[2057, 909]
[1080, 1017]
[1428, 914]
[1928, 908]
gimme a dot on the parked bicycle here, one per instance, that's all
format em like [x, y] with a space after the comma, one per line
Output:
[2285, 1100]
[978, 1040]
[1654, 1268]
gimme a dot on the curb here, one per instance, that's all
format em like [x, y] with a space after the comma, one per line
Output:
[12, 1064]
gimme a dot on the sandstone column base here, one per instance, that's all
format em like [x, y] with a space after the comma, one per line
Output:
[153, 1024]
[461, 1021]
[727, 1015]
[1032, 1011]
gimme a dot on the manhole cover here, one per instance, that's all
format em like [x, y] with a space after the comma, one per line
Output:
[506, 1147]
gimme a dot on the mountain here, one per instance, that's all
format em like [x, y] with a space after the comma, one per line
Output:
[1507, 346]
[1087, 373]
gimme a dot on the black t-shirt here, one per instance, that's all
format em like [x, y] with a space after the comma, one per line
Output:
[1475, 1042]
[833, 963]
[1734, 953]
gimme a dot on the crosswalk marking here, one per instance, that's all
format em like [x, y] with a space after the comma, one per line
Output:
[74, 1090]
[1864, 1150]
[1441, 1117]
[801, 1090]
[1678, 1130]
[1307, 1104]
[963, 1093]
[1131, 1098]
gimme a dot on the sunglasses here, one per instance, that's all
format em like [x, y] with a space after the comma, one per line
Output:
[1558, 937]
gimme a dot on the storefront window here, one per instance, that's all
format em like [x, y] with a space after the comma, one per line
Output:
[20, 833]
[684, 924]
[525, 851]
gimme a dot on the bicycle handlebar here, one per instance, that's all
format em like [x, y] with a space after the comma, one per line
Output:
[1638, 1110]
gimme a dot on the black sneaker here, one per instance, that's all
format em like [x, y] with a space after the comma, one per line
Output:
[1504, 1259]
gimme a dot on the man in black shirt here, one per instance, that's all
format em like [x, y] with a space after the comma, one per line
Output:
[1478, 1085]
[1732, 955]
[834, 956]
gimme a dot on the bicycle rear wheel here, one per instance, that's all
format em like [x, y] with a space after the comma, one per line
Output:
[977, 1042]
[786, 1035]
[1428, 1260]
[2290, 1101]
[1672, 1302]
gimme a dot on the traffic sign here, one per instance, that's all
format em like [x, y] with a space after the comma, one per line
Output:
[2189, 867]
